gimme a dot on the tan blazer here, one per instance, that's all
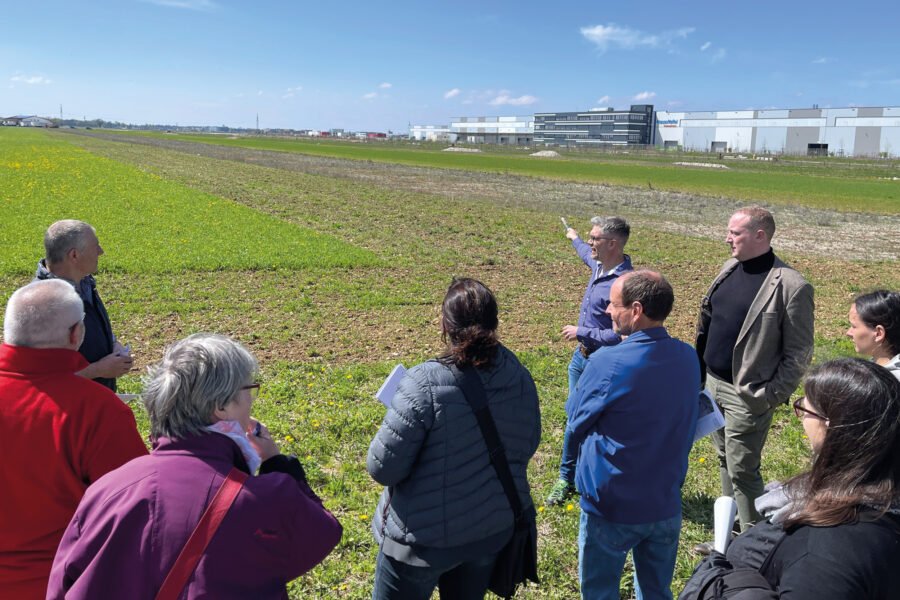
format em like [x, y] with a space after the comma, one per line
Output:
[775, 344]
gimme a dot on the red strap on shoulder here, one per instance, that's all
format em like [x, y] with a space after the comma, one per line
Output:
[212, 517]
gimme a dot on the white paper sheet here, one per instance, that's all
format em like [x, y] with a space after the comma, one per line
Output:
[709, 418]
[385, 393]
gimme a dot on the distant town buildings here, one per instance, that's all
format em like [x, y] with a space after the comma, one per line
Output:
[27, 121]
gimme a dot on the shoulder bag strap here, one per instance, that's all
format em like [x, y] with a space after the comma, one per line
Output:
[473, 390]
[198, 541]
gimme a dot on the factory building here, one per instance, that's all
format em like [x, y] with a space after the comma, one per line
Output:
[852, 131]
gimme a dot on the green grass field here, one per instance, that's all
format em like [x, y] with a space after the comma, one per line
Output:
[331, 282]
[152, 225]
[840, 184]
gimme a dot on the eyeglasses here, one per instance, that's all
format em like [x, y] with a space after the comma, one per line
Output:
[254, 390]
[799, 410]
[597, 239]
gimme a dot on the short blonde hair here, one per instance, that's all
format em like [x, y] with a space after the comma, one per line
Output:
[760, 218]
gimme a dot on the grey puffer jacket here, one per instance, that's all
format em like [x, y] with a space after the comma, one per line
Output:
[441, 490]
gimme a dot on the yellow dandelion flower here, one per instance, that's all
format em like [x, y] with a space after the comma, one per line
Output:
[349, 376]
[288, 438]
[701, 460]
[570, 506]
[540, 509]
[363, 517]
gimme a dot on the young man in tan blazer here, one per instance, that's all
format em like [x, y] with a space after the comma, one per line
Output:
[755, 341]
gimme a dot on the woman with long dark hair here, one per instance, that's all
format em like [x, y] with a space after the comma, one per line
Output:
[841, 519]
[875, 328]
[443, 516]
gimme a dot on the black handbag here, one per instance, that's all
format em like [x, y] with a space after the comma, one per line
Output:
[517, 561]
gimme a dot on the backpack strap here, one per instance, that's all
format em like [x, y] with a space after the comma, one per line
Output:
[473, 390]
[199, 539]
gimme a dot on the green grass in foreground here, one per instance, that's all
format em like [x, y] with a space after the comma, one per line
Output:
[327, 337]
[147, 224]
[815, 185]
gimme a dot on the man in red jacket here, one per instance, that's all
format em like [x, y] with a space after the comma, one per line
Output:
[60, 432]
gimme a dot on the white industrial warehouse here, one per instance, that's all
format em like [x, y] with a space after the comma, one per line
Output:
[853, 131]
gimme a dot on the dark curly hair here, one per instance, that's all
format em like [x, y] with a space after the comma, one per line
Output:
[881, 307]
[858, 463]
[469, 324]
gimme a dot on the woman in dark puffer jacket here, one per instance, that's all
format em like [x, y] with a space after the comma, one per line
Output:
[443, 515]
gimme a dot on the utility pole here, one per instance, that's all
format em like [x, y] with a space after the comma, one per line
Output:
[257, 122]
[60, 112]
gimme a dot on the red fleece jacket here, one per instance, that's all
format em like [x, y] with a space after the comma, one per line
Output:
[59, 433]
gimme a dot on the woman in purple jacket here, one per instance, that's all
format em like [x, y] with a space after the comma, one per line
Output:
[133, 523]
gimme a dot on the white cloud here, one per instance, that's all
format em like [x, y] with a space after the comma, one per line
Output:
[674, 103]
[719, 55]
[292, 91]
[385, 86]
[370, 96]
[505, 99]
[705, 46]
[30, 80]
[451, 93]
[626, 38]
[820, 61]
[603, 100]
[644, 96]
[185, 4]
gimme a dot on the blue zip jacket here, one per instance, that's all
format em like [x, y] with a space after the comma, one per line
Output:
[633, 415]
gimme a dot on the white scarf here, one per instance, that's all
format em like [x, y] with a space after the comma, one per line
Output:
[233, 430]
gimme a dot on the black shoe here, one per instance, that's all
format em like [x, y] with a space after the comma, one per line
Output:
[704, 548]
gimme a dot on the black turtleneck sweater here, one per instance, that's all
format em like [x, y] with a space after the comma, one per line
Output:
[729, 303]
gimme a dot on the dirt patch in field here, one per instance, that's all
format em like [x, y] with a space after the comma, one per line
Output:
[808, 230]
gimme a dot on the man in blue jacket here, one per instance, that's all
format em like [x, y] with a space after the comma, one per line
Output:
[633, 417]
[604, 255]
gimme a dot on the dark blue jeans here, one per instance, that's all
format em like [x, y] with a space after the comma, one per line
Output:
[570, 450]
[395, 580]
[603, 546]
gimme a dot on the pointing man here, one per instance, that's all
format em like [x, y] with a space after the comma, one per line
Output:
[605, 257]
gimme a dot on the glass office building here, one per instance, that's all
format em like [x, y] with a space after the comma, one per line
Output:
[596, 127]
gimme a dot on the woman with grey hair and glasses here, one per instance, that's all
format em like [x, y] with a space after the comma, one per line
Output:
[129, 536]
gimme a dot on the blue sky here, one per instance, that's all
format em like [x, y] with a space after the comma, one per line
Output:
[382, 65]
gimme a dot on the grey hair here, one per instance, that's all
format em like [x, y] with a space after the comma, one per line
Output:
[64, 235]
[196, 376]
[614, 226]
[41, 314]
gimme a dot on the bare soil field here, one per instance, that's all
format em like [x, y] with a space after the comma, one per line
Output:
[851, 236]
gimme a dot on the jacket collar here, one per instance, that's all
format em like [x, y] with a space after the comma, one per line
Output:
[647, 335]
[211, 447]
[622, 267]
[40, 361]
[85, 287]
